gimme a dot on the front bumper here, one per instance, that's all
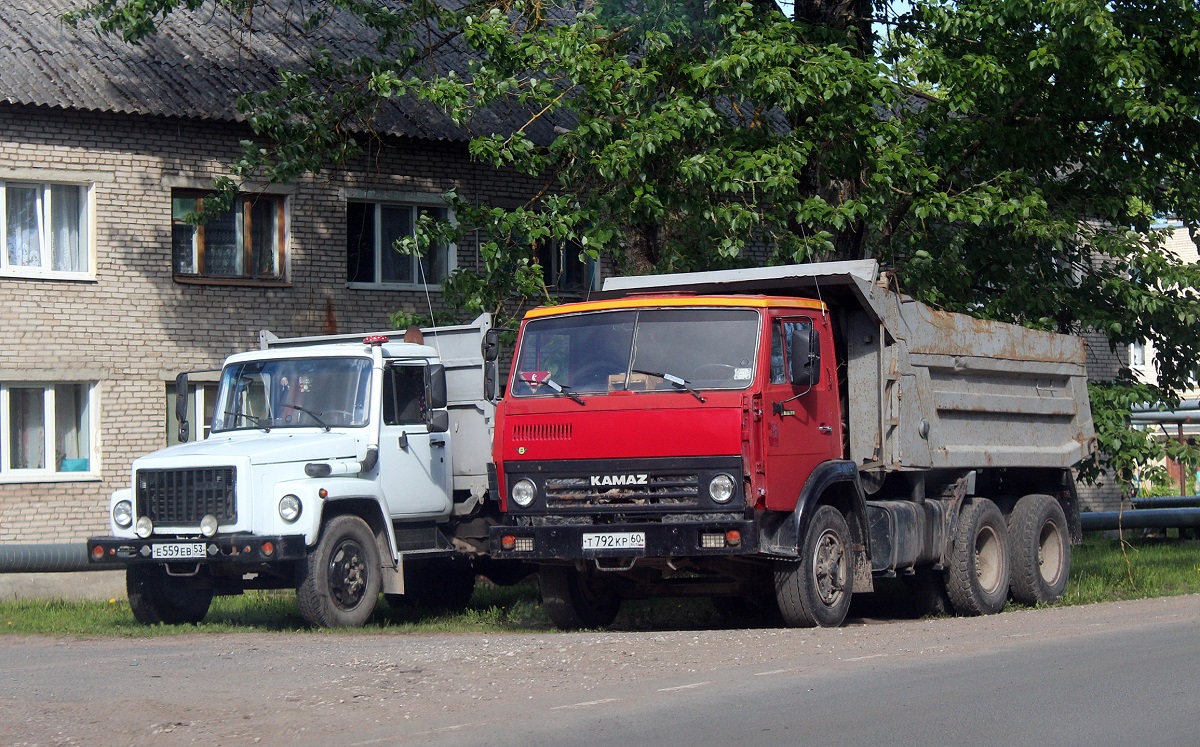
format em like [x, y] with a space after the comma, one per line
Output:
[668, 540]
[244, 549]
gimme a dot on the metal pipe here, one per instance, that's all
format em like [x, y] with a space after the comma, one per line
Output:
[1170, 501]
[1142, 518]
[47, 558]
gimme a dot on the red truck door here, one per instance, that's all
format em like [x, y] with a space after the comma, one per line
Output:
[801, 427]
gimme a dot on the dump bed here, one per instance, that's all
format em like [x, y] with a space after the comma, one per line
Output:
[925, 388]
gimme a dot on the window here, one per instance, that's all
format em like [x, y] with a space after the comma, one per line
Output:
[46, 429]
[404, 395]
[373, 228]
[1137, 354]
[781, 339]
[44, 229]
[247, 241]
[202, 402]
[563, 269]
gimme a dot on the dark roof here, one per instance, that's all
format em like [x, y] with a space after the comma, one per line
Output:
[196, 66]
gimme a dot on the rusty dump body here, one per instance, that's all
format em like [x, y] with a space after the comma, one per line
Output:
[927, 389]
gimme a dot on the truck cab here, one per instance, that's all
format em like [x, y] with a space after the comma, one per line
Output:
[332, 462]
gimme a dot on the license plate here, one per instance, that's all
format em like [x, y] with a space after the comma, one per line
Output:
[615, 541]
[178, 551]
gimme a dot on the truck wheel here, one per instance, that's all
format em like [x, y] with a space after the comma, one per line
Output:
[977, 579]
[1041, 551]
[815, 591]
[341, 579]
[443, 585]
[157, 598]
[575, 600]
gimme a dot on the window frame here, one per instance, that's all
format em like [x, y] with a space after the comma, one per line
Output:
[87, 230]
[243, 228]
[8, 475]
[415, 202]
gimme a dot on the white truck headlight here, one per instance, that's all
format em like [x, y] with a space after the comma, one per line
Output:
[122, 514]
[720, 488]
[144, 527]
[523, 493]
[208, 525]
[290, 508]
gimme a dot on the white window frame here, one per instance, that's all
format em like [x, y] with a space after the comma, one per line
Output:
[49, 473]
[416, 201]
[87, 215]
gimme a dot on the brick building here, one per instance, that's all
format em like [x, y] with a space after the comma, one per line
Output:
[106, 293]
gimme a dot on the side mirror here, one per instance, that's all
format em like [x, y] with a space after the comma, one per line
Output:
[439, 421]
[805, 359]
[181, 407]
[435, 386]
[491, 345]
[491, 375]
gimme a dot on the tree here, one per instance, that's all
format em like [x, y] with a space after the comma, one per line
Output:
[1005, 157]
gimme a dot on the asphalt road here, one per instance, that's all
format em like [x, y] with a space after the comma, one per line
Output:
[1113, 674]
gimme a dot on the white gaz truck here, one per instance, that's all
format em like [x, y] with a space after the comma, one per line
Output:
[341, 466]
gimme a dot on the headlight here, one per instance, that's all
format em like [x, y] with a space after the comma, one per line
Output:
[208, 525]
[123, 514]
[144, 527]
[721, 488]
[524, 492]
[289, 508]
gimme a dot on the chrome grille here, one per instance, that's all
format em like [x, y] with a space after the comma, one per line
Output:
[184, 496]
[660, 490]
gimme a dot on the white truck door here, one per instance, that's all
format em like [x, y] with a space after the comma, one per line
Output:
[414, 464]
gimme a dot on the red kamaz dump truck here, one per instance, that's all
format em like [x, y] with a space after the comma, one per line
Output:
[786, 435]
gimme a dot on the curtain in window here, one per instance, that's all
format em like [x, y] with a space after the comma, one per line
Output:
[264, 240]
[71, 428]
[24, 240]
[27, 428]
[222, 250]
[68, 227]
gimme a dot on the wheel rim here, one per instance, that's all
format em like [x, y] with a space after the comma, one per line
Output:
[989, 559]
[829, 568]
[347, 574]
[1050, 553]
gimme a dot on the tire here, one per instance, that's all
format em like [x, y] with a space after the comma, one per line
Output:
[341, 576]
[574, 600]
[977, 579]
[443, 585]
[1040, 549]
[815, 591]
[159, 599]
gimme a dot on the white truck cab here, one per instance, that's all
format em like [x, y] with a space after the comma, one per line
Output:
[342, 466]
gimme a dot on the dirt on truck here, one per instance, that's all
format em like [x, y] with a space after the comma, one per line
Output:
[784, 437]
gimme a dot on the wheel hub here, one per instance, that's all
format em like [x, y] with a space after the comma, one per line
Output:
[829, 569]
[347, 575]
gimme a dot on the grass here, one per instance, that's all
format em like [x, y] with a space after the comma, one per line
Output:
[1102, 570]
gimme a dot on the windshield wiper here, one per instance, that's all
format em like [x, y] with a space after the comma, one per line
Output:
[676, 380]
[256, 421]
[564, 390]
[312, 415]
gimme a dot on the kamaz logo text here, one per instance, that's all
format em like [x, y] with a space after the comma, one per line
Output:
[602, 480]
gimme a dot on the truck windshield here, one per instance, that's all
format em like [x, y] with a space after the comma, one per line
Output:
[291, 393]
[708, 348]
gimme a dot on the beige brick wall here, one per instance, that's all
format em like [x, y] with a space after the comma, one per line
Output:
[134, 324]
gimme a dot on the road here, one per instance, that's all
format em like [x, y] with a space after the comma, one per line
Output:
[1118, 673]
